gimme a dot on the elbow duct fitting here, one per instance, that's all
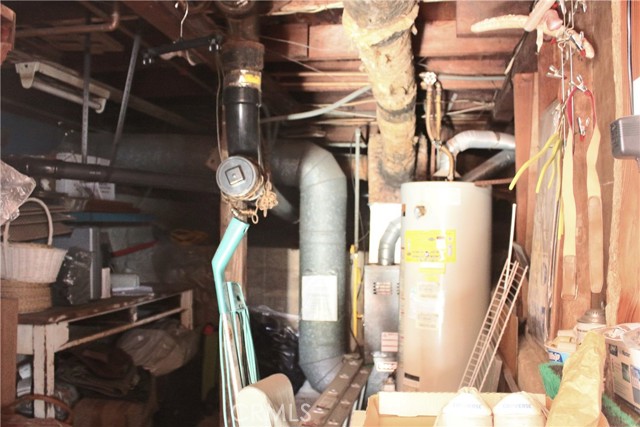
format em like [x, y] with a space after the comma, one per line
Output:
[323, 249]
[478, 139]
[387, 247]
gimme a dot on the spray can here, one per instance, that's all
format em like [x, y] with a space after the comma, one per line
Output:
[592, 319]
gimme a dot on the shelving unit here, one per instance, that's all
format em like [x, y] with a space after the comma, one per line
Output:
[45, 333]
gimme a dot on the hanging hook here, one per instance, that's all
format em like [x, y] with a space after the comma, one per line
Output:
[583, 125]
[554, 72]
[580, 5]
[579, 83]
[186, 13]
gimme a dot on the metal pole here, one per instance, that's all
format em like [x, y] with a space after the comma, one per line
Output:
[85, 96]
[356, 190]
[125, 96]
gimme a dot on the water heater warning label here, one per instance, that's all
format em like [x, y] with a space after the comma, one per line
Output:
[430, 246]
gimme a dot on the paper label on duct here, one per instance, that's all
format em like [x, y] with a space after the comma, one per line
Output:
[430, 246]
[389, 342]
[319, 296]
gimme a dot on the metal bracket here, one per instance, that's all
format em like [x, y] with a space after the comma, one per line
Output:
[213, 43]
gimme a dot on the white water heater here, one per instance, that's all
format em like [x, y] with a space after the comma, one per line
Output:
[444, 281]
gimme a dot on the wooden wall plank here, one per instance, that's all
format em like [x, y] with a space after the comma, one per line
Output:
[623, 287]
[9, 345]
[523, 115]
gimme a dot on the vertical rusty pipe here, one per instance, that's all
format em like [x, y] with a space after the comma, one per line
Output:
[381, 31]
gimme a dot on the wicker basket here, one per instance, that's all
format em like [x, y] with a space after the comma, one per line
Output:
[31, 296]
[10, 418]
[31, 262]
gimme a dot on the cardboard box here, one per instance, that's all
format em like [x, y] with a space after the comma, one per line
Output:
[620, 367]
[413, 409]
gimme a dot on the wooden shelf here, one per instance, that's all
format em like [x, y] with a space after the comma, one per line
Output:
[45, 333]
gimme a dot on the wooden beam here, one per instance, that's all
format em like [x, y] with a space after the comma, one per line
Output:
[524, 91]
[490, 66]
[350, 80]
[287, 41]
[525, 61]
[435, 39]
[330, 42]
[440, 39]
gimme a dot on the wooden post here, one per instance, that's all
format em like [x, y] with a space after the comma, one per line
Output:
[9, 311]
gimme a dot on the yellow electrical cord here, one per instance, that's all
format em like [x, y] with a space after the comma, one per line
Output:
[525, 166]
[355, 290]
[555, 146]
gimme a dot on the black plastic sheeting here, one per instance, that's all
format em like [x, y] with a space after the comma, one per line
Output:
[276, 344]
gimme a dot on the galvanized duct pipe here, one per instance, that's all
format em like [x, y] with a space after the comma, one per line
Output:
[176, 154]
[491, 166]
[323, 201]
[387, 246]
[381, 31]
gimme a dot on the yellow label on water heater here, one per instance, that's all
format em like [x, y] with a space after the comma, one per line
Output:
[430, 246]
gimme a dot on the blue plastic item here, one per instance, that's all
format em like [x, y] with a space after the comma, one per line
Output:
[237, 355]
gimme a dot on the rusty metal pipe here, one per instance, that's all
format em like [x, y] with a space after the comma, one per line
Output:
[75, 29]
[381, 30]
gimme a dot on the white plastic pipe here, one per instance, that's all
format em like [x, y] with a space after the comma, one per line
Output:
[482, 139]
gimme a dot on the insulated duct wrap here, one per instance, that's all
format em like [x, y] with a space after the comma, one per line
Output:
[381, 31]
[474, 139]
[323, 259]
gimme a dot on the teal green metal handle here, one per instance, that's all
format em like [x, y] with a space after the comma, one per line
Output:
[233, 235]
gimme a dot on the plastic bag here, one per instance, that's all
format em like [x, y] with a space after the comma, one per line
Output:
[73, 285]
[162, 348]
[275, 339]
[15, 188]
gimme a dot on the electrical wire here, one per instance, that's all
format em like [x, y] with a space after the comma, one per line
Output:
[320, 111]
[219, 77]
[630, 56]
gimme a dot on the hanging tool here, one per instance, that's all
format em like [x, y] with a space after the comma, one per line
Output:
[548, 27]
[594, 197]
[569, 262]
[237, 355]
